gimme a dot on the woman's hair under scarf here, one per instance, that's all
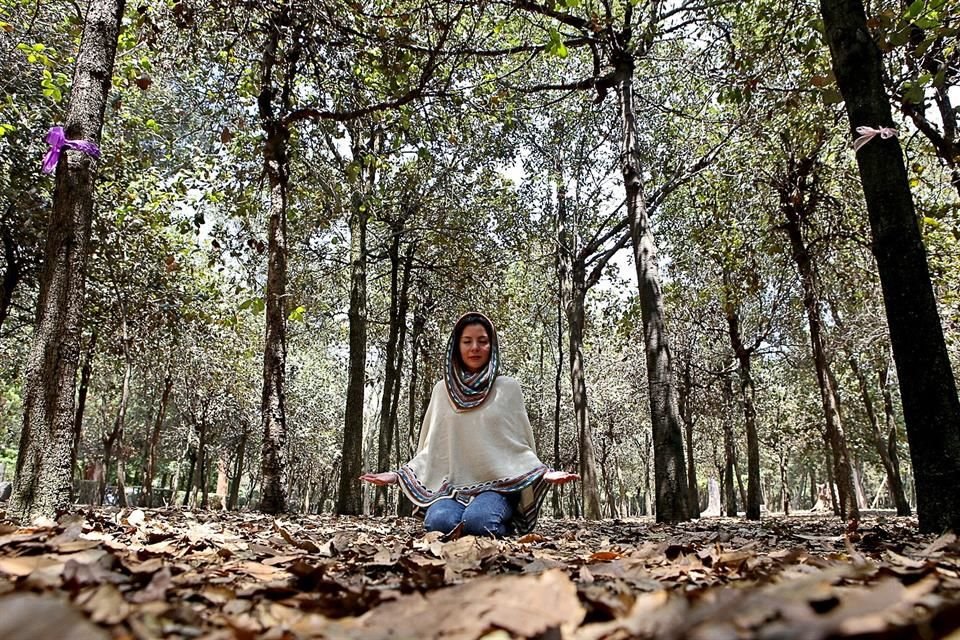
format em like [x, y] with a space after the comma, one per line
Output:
[467, 390]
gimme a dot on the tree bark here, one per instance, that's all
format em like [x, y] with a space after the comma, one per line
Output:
[879, 441]
[744, 356]
[894, 478]
[669, 472]
[234, 498]
[729, 452]
[794, 206]
[154, 440]
[12, 273]
[43, 474]
[399, 290]
[202, 463]
[85, 372]
[574, 293]
[276, 166]
[350, 494]
[686, 415]
[927, 386]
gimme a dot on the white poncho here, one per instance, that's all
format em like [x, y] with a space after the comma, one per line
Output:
[490, 448]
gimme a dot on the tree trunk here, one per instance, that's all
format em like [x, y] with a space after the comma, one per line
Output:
[784, 487]
[276, 165]
[894, 478]
[794, 209]
[233, 500]
[203, 464]
[670, 474]
[350, 493]
[85, 372]
[686, 415]
[188, 485]
[154, 441]
[927, 387]
[744, 355]
[113, 443]
[588, 464]
[43, 474]
[879, 441]
[399, 288]
[12, 273]
[729, 452]
[574, 292]
[557, 387]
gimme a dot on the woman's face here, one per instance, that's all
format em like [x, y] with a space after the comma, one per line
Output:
[474, 347]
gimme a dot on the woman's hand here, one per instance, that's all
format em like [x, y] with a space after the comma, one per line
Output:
[560, 477]
[380, 479]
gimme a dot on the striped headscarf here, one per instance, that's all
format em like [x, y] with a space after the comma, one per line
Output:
[467, 390]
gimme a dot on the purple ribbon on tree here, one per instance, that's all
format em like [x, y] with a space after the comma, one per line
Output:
[58, 141]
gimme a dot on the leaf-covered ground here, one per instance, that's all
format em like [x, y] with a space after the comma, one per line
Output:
[173, 573]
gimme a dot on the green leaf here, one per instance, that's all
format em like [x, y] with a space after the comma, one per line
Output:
[831, 96]
[914, 9]
[297, 314]
[913, 92]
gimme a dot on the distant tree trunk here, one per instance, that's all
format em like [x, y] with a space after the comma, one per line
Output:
[399, 296]
[42, 484]
[113, 443]
[13, 272]
[928, 389]
[831, 480]
[686, 415]
[575, 291]
[813, 487]
[234, 498]
[894, 478]
[276, 165]
[188, 485]
[85, 372]
[404, 506]
[798, 181]
[669, 471]
[729, 452]
[154, 440]
[349, 493]
[557, 388]
[202, 463]
[739, 477]
[879, 441]
[784, 487]
[744, 355]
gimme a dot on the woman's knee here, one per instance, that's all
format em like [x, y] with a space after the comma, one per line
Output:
[487, 515]
[443, 515]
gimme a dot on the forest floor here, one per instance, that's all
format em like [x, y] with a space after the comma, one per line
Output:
[110, 573]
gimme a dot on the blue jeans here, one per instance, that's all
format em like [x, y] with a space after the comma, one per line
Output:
[486, 515]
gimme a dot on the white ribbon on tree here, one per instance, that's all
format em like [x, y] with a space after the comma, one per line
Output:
[869, 133]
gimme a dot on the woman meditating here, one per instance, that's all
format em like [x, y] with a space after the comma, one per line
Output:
[476, 464]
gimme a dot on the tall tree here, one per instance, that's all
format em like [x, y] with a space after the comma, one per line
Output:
[44, 463]
[799, 193]
[274, 103]
[927, 385]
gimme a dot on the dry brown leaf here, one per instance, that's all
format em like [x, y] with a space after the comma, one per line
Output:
[523, 605]
[531, 537]
[651, 613]
[27, 616]
[25, 565]
[136, 518]
[601, 556]
[105, 604]
[156, 590]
